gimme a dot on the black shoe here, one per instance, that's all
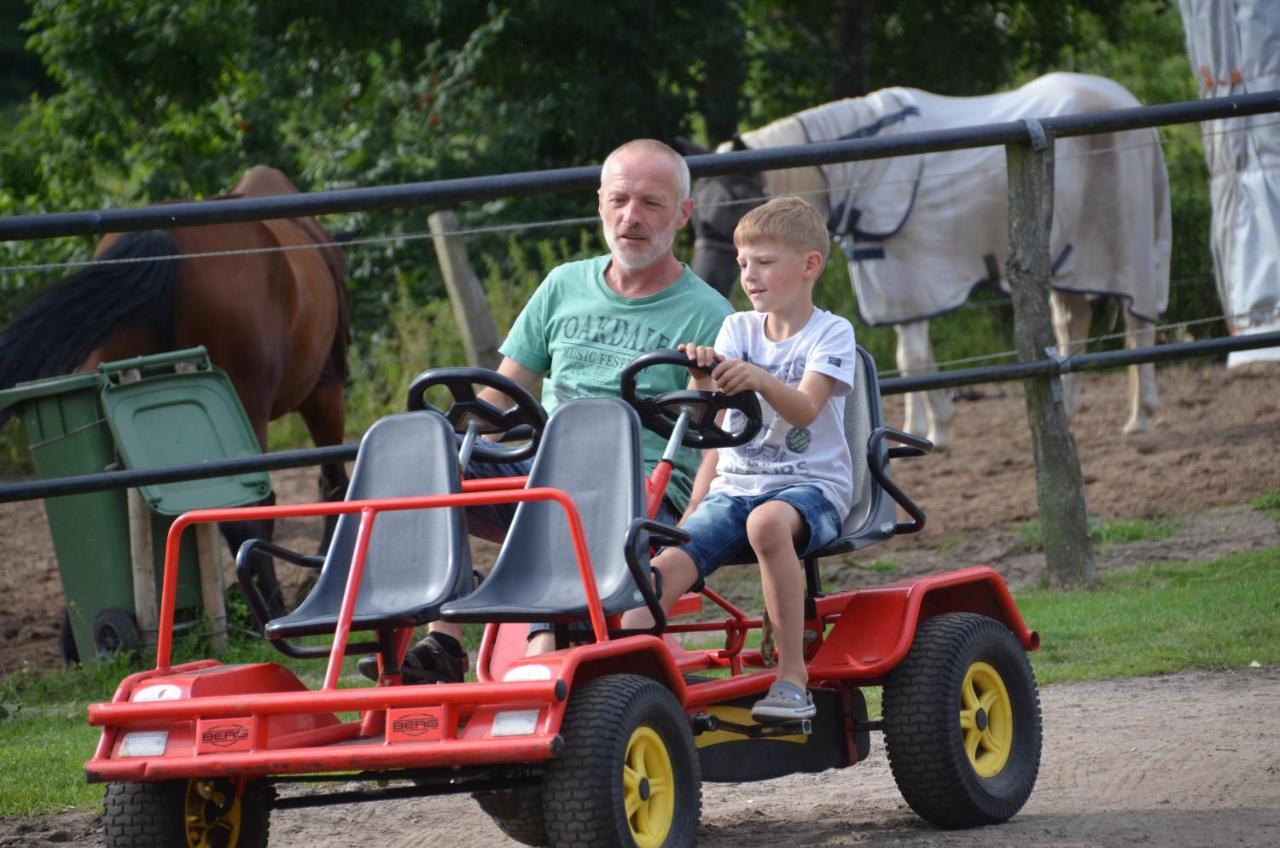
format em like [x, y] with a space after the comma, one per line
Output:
[426, 662]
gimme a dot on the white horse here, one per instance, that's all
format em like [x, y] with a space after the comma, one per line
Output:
[921, 231]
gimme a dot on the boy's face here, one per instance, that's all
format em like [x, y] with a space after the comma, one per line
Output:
[776, 276]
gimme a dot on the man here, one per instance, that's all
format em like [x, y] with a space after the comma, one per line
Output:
[585, 322]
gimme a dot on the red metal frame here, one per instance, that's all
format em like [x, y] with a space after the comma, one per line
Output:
[256, 720]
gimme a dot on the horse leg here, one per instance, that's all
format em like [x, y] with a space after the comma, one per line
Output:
[323, 412]
[1142, 377]
[927, 413]
[262, 570]
[1071, 315]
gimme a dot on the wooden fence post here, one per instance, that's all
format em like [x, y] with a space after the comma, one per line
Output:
[470, 306]
[1059, 484]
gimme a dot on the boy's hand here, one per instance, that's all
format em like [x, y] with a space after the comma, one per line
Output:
[705, 357]
[733, 376]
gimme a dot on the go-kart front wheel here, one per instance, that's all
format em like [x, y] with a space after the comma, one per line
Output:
[517, 812]
[629, 772]
[962, 722]
[180, 813]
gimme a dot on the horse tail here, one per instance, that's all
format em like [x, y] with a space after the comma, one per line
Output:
[336, 369]
[62, 324]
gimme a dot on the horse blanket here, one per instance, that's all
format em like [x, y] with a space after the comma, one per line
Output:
[921, 231]
[1234, 47]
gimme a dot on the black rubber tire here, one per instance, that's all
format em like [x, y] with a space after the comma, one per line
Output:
[517, 812]
[115, 631]
[583, 796]
[152, 815]
[923, 737]
[67, 641]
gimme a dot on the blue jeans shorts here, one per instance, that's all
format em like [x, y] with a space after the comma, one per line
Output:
[719, 524]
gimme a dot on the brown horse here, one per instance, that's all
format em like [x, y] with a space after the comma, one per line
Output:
[275, 321]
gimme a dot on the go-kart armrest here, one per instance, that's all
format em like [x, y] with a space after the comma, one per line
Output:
[635, 545]
[878, 459]
[258, 604]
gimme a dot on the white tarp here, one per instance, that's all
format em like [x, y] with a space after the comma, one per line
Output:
[921, 231]
[1234, 48]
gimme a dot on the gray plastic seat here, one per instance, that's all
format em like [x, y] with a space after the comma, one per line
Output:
[590, 450]
[417, 559]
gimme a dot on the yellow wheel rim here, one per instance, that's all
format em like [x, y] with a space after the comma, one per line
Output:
[212, 814]
[648, 788]
[986, 720]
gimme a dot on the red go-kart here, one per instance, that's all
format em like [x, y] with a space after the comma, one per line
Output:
[601, 743]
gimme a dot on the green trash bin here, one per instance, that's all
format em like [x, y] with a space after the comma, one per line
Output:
[167, 409]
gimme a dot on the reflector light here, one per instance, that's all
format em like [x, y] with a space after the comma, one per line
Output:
[515, 723]
[159, 692]
[526, 672]
[146, 743]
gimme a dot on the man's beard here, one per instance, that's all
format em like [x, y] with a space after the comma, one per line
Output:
[658, 246]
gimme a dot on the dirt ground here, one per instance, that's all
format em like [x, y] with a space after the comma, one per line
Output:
[1182, 761]
[1116, 769]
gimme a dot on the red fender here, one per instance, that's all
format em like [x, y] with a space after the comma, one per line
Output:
[877, 625]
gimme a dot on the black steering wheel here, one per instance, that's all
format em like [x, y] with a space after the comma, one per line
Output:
[660, 413]
[525, 420]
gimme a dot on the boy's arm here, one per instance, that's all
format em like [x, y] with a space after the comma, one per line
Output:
[701, 482]
[799, 406]
[704, 356]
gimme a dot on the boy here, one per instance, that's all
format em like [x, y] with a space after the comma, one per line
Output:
[789, 489]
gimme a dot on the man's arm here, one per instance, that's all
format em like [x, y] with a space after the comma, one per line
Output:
[516, 373]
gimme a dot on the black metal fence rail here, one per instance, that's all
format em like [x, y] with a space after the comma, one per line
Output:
[449, 192]
[1051, 367]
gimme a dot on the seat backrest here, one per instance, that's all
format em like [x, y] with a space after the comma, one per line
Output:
[861, 406]
[417, 559]
[591, 451]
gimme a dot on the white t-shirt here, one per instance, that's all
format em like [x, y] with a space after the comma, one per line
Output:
[782, 455]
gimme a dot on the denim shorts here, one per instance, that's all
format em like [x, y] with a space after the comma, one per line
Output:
[719, 524]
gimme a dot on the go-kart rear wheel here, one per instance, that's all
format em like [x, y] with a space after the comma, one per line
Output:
[517, 811]
[962, 722]
[629, 772]
[196, 813]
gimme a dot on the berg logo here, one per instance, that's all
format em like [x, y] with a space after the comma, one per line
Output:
[416, 724]
[224, 735]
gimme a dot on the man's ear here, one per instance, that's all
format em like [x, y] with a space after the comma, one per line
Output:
[686, 211]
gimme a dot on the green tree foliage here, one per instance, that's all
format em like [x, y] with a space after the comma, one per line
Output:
[140, 101]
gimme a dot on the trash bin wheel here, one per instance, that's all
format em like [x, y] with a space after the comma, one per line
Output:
[115, 631]
[202, 813]
[67, 640]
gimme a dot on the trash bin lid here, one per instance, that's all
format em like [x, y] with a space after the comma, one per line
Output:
[179, 418]
[32, 389]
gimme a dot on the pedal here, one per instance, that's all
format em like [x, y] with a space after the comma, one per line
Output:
[705, 722]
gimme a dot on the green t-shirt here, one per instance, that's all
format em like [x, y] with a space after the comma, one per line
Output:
[581, 334]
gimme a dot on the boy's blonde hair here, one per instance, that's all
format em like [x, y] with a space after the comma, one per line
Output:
[790, 221]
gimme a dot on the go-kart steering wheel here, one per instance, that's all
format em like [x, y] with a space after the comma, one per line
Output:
[525, 420]
[660, 413]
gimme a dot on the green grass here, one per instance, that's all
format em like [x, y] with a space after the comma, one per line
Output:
[1104, 533]
[1160, 619]
[1270, 504]
[1157, 619]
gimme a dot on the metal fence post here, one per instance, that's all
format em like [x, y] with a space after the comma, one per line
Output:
[1059, 484]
